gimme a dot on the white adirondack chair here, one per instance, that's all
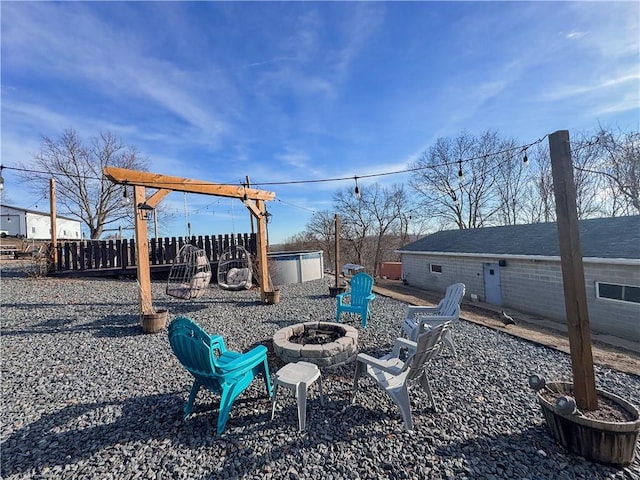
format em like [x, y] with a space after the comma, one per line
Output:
[393, 374]
[418, 319]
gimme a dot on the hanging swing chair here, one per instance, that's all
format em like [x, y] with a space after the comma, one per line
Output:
[190, 273]
[234, 269]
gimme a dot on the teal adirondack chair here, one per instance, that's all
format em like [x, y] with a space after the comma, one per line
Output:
[357, 300]
[222, 371]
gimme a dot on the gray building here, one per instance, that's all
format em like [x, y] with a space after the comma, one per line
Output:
[518, 266]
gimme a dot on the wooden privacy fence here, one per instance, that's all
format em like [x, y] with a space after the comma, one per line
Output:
[119, 256]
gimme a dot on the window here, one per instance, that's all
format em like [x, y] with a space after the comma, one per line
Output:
[435, 268]
[626, 293]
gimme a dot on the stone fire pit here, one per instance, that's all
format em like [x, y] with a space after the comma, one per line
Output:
[324, 343]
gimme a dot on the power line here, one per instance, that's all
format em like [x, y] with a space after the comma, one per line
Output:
[296, 206]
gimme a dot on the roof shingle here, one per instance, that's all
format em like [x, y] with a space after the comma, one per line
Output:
[615, 237]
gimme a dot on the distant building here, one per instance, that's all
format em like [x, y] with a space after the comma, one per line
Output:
[518, 266]
[34, 225]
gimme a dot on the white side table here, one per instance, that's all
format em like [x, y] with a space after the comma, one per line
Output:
[298, 377]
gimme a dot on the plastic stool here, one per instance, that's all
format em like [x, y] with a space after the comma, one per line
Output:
[298, 377]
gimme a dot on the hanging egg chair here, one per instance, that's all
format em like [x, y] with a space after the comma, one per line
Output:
[190, 273]
[234, 269]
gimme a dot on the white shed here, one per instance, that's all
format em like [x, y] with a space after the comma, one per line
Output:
[34, 225]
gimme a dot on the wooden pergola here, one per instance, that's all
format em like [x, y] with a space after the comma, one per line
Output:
[252, 198]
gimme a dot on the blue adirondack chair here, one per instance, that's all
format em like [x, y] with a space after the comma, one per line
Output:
[357, 300]
[222, 371]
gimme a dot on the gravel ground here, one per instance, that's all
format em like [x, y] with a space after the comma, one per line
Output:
[85, 394]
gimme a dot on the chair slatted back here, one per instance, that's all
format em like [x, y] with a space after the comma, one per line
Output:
[195, 349]
[428, 345]
[361, 288]
[450, 303]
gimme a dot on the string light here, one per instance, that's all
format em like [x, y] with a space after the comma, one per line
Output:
[357, 190]
[125, 197]
[525, 160]
[1, 178]
[460, 174]
[323, 180]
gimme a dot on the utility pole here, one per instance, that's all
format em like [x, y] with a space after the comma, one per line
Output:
[337, 247]
[248, 183]
[54, 223]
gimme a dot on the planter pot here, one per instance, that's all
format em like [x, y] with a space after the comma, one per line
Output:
[154, 322]
[612, 443]
[333, 291]
[272, 297]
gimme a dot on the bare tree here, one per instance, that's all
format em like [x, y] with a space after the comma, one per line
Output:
[81, 189]
[621, 168]
[540, 204]
[437, 183]
[387, 208]
[372, 223]
[456, 179]
[355, 224]
[321, 230]
[511, 183]
[586, 159]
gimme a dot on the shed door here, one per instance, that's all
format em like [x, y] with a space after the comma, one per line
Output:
[492, 286]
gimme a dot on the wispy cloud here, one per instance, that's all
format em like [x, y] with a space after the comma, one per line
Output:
[598, 85]
[271, 61]
[575, 35]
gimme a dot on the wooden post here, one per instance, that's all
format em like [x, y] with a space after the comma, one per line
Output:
[142, 251]
[575, 297]
[54, 223]
[250, 215]
[337, 248]
[263, 271]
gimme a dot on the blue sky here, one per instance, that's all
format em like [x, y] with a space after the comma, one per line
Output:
[295, 91]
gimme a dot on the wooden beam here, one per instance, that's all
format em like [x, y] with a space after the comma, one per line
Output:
[142, 252]
[263, 268]
[178, 184]
[157, 197]
[253, 208]
[575, 297]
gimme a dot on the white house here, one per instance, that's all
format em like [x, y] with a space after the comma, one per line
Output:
[34, 225]
[518, 266]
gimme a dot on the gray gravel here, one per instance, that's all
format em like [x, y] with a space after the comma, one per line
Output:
[85, 394]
